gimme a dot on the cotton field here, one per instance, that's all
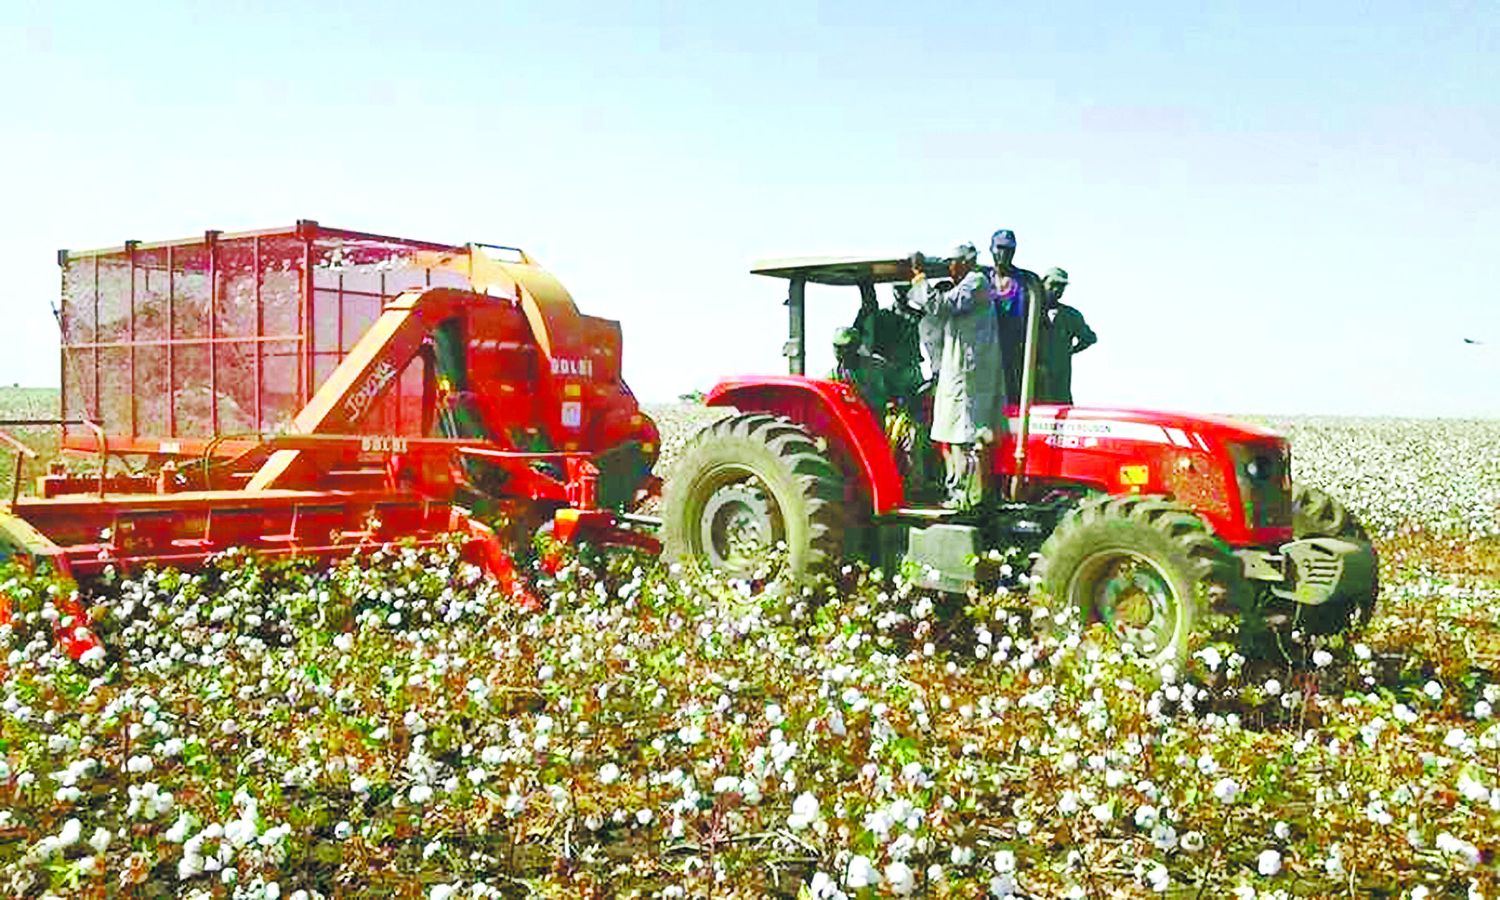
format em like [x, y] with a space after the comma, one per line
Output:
[392, 727]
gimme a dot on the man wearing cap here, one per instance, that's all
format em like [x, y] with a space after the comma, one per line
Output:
[1015, 290]
[854, 367]
[1061, 333]
[967, 400]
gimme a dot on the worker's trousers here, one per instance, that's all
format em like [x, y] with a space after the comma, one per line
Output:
[963, 472]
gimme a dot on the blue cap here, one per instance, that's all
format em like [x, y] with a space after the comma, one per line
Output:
[1003, 238]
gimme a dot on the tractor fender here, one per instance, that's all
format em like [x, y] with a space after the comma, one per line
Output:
[830, 410]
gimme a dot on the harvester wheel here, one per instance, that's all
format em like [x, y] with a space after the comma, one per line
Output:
[746, 483]
[1315, 513]
[1144, 566]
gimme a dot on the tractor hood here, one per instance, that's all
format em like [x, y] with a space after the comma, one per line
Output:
[1153, 426]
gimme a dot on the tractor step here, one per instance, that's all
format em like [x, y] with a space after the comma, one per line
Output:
[927, 513]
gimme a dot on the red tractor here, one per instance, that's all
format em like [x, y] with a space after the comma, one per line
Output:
[1141, 520]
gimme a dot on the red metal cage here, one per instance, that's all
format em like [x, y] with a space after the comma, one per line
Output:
[172, 345]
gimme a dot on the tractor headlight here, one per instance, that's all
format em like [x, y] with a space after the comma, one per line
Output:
[1263, 474]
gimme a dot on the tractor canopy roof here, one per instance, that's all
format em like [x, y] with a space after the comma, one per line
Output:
[843, 270]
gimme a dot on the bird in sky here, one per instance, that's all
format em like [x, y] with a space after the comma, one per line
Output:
[1472, 341]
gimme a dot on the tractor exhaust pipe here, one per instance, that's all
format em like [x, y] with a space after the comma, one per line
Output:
[1028, 386]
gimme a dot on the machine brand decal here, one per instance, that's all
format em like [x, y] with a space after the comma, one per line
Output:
[583, 367]
[572, 414]
[1109, 429]
[375, 382]
[382, 444]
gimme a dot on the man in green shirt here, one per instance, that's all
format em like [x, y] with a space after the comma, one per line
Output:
[891, 334]
[854, 367]
[1061, 333]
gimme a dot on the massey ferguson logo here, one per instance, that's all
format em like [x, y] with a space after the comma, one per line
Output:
[561, 365]
[359, 401]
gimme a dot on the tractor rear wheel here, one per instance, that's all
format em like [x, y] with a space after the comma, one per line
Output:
[1144, 566]
[747, 483]
[1315, 513]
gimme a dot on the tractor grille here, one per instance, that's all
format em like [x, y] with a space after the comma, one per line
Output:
[1320, 572]
[1264, 474]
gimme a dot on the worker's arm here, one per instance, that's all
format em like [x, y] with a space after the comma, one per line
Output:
[963, 297]
[1083, 336]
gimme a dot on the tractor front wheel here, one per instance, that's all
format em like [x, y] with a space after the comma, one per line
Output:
[1143, 566]
[1315, 513]
[744, 485]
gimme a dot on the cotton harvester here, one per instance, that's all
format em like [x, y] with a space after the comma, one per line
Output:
[312, 391]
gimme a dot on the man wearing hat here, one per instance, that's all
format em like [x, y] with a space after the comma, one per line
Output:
[1015, 290]
[855, 367]
[966, 407]
[1061, 333]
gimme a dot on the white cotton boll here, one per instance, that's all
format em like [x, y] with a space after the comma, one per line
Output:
[1483, 710]
[1433, 690]
[609, 773]
[239, 832]
[360, 785]
[343, 830]
[100, 840]
[72, 830]
[750, 791]
[419, 793]
[861, 874]
[1322, 658]
[804, 811]
[1163, 836]
[1226, 790]
[900, 878]
[1273, 687]
[1158, 878]
[1268, 863]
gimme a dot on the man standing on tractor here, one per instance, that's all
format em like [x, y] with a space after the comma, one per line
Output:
[1061, 333]
[1015, 289]
[854, 367]
[929, 329]
[891, 334]
[967, 402]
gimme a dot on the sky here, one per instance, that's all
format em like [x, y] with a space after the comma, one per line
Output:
[1265, 207]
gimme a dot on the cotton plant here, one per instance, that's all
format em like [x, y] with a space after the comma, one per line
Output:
[259, 729]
